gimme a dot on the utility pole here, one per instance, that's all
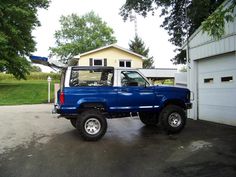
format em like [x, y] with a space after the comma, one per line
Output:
[49, 90]
[187, 33]
[133, 18]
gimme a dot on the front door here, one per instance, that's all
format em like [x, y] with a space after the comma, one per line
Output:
[135, 93]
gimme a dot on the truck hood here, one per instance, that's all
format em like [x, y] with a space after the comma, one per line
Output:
[171, 88]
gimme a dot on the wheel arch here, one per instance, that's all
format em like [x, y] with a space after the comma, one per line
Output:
[92, 103]
[176, 102]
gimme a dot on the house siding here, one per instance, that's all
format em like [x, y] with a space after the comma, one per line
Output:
[211, 58]
[202, 45]
[113, 55]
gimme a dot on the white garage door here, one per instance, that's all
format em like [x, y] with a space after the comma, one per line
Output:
[217, 89]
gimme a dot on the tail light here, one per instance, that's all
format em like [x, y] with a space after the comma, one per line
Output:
[62, 98]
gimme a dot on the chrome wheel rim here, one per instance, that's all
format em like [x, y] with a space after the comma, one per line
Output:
[174, 119]
[92, 126]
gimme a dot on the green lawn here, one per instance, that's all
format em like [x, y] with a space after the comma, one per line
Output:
[14, 92]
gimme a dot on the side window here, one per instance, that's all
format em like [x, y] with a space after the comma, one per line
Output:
[132, 78]
[92, 77]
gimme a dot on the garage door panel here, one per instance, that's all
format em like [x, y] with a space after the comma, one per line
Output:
[217, 98]
[218, 63]
[217, 76]
[218, 114]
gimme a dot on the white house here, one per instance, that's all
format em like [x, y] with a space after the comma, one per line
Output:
[159, 73]
[181, 79]
[212, 75]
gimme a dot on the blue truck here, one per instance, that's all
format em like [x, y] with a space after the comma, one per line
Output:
[90, 95]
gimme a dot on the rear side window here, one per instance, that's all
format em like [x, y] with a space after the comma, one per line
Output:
[62, 79]
[91, 77]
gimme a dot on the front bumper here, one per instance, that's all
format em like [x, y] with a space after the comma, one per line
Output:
[188, 105]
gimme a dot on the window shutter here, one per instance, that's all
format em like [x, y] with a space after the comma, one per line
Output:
[90, 62]
[105, 62]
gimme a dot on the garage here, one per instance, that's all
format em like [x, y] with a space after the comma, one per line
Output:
[217, 89]
[211, 74]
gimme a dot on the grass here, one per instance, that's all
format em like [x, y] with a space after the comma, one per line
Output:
[14, 92]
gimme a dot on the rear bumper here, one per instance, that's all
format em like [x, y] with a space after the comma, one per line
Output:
[188, 105]
[64, 110]
[56, 109]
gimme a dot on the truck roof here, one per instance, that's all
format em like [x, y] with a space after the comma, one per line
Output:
[91, 67]
[100, 67]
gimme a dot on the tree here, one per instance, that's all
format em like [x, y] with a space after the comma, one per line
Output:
[17, 20]
[80, 34]
[214, 24]
[138, 46]
[34, 68]
[182, 17]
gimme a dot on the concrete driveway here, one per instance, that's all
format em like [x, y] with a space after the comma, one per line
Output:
[33, 144]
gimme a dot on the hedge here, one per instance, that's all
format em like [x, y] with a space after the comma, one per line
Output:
[32, 76]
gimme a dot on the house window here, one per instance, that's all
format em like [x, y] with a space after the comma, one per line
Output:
[97, 62]
[122, 63]
[227, 79]
[208, 80]
[128, 64]
[125, 63]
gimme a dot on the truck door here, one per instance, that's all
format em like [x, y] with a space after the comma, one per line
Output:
[135, 93]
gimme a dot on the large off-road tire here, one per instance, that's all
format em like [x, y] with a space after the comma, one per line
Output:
[91, 124]
[73, 122]
[173, 118]
[148, 118]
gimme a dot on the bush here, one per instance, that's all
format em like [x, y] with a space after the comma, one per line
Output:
[32, 76]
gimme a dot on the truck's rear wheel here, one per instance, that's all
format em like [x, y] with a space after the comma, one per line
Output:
[173, 118]
[148, 118]
[73, 122]
[92, 125]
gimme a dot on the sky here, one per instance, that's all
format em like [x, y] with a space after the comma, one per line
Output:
[155, 37]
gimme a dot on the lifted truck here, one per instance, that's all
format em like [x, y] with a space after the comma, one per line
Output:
[89, 95]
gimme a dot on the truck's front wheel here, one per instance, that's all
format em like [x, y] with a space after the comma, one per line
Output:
[173, 118]
[148, 118]
[92, 125]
